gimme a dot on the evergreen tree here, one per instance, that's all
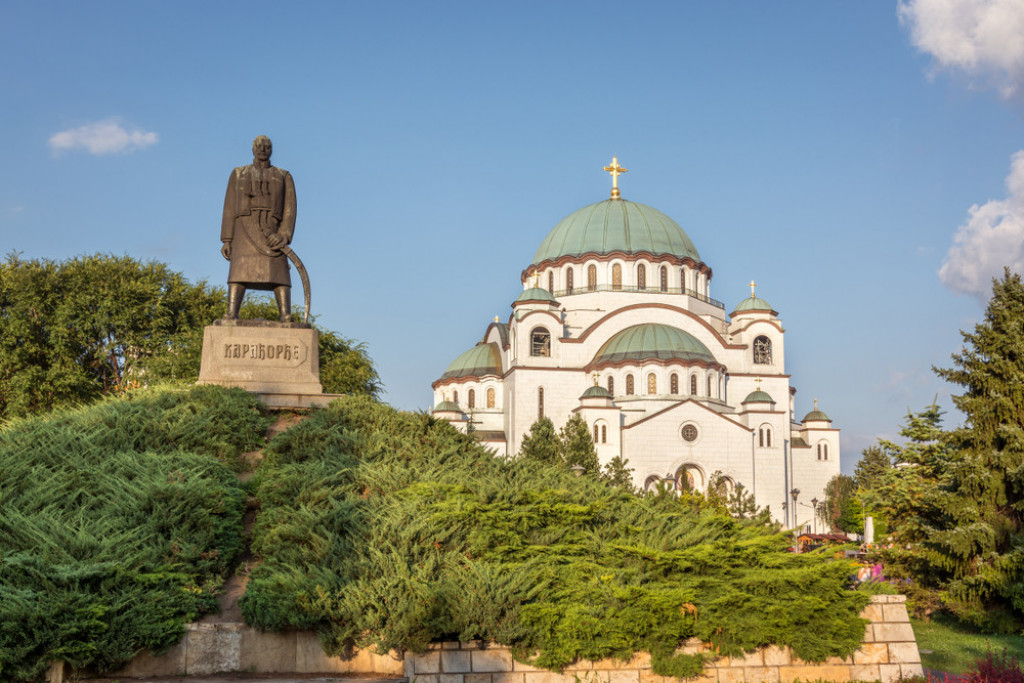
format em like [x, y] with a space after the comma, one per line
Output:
[577, 446]
[541, 443]
[839, 492]
[979, 539]
[617, 473]
[872, 467]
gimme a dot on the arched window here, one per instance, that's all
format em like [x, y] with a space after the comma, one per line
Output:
[490, 398]
[591, 277]
[472, 398]
[652, 384]
[693, 385]
[641, 276]
[616, 276]
[604, 433]
[673, 384]
[568, 280]
[597, 432]
[611, 385]
[664, 278]
[768, 437]
[455, 396]
[651, 482]
[682, 279]
[629, 385]
[540, 342]
[763, 350]
[540, 402]
[551, 281]
[822, 451]
[764, 437]
[709, 386]
[760, 437]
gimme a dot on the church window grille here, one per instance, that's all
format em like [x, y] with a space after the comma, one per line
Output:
[760, 437]
[597, 432]
[768, 437]
[709, 387]
[490, 398]
[591, 277]
[540, 403]
[616, 276]
[551, 281]
[540, 342]
[455, 397]
[611, 385]
[822, 451]
[673, 384]
[682, 279]
[568, 280]
[689, 433]
[763, 350]
[604, 433]
[641, 276]
[652, 384]
[472, 398]
[693, 385]
[664, 278]
[629, 385]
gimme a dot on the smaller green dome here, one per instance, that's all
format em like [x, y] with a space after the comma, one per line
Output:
[753, 303]
[447, 407]
[816, 415]
[652, 340]
[535, 294]
[481, 360]
[758, 397]
[596, 391]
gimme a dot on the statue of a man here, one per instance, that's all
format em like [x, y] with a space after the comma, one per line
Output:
[259, 218]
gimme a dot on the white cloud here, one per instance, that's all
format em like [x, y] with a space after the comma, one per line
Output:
[982, 38]
[108, 136]
[992, 238]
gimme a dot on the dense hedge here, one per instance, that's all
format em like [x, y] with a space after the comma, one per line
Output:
[392, 529]
[117, 523]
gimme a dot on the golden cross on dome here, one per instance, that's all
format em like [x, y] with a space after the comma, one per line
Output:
[615, 170]
[595, 378]
[757, 381]
[497, 319]
[815, 404]
[752, 286]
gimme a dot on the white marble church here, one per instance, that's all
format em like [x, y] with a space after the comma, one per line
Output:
[616, 322]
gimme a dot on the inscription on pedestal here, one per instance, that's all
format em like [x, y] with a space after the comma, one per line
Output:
[277, 355]
[266, 358]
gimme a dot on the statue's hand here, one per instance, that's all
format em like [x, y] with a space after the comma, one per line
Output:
[275, 241]
[226, 251]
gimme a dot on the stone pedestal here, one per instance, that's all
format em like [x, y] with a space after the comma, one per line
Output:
[279, 361]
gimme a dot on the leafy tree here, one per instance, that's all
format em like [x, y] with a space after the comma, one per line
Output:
[839, 491]
[577, 446]
[75, 330]
[617, 473]
[541, 443]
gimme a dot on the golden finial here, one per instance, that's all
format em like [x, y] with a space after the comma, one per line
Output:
[815, 404]
[757, 381]
[615, 171]
[595, 378]
[752, 286]
[536, 278]
[497, 319]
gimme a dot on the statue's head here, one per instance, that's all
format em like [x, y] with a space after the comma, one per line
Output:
[262, 148]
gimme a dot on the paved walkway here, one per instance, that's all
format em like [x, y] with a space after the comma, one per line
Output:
[255, 678]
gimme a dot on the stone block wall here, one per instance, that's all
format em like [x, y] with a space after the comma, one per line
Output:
[888, 653]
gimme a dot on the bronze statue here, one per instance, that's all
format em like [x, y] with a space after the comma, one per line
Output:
[259, 219]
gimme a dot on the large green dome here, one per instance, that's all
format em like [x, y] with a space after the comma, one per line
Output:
[480, 361]
[651, 340]
[616, 225]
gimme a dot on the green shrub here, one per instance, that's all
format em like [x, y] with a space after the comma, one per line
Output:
[392, 529]
[117, 523]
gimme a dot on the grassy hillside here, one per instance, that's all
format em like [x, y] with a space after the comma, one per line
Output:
[392, 529]
[117, 523]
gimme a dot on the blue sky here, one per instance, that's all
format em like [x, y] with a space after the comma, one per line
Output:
[830, 151]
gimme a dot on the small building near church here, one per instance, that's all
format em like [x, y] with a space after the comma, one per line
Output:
[616, 323]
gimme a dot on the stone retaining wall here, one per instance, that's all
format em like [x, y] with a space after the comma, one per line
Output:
[889, 652]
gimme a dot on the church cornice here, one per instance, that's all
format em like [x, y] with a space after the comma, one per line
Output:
[664, 362]
[696, 403]
[633, 257]
[774, 323]
[668, 307]
[462, 380]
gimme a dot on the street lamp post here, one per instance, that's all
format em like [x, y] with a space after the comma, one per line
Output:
[814, 506]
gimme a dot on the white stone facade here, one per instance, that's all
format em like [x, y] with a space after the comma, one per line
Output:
[672, 413]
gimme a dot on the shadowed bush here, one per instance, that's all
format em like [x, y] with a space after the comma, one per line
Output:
[117, 523]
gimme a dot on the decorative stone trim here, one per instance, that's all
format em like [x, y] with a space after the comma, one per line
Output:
[889, 652]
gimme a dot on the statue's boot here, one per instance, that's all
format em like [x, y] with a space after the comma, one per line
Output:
[235, 295]
[284, 303]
